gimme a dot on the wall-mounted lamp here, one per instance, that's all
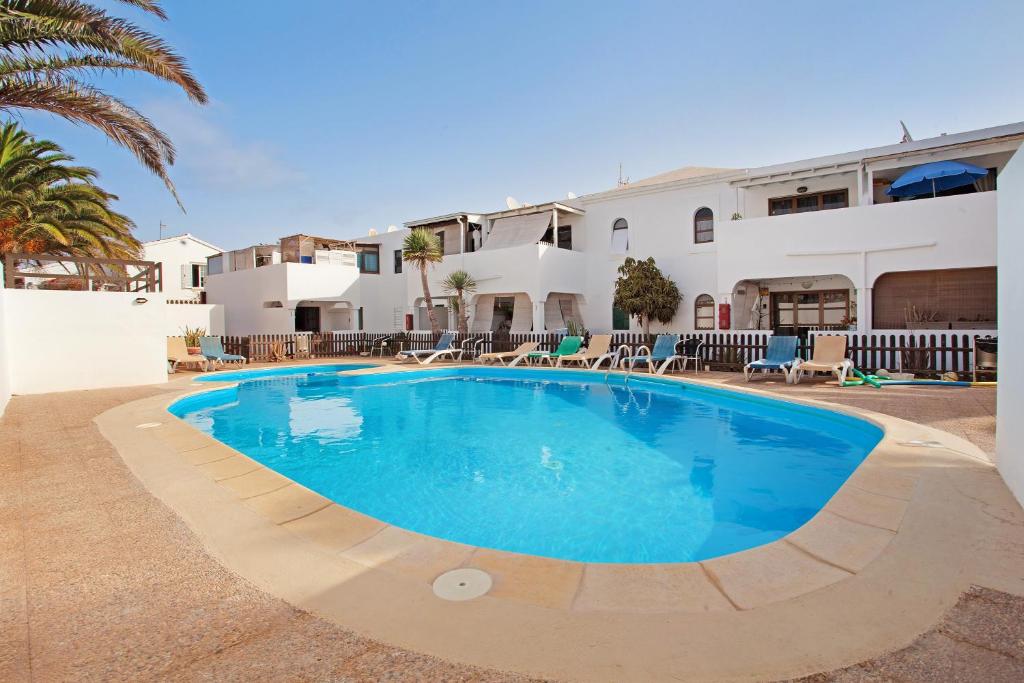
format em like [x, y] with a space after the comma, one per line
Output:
[141, 300]
[801, 189]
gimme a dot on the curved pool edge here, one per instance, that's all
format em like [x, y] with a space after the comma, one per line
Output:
[850, 536]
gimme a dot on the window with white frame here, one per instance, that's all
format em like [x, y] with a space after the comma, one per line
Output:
[704, 312]
[193, 276]
[620, 236]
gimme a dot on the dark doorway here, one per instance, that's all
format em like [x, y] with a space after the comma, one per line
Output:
[307, 319]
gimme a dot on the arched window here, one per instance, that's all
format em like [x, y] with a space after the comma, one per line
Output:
[704, 312]
[703, 226]
[620, 236]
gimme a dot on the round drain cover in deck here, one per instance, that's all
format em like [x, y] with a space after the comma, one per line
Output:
[462, 584]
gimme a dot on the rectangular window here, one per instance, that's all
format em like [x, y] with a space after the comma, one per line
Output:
[198, 276]
[802, 203]
[398, 261]
[565, 237]
[360, 318]
[620, 321]
[799, 312]
[440, 239]
[368, 258]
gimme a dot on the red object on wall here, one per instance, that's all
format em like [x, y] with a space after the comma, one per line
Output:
[408, 322]
[724, 316]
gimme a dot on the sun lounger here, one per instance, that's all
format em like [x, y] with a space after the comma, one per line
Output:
[501, 356]
[177, 354]
[829, 356]
[567, 347]
[213, 349]
[443, 347]
[596, 353]
[781, 355]
[661, 356]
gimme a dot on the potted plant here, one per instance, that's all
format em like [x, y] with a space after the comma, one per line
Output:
[192, 336]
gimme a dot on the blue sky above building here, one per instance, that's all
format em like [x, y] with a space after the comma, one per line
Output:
[343, 117]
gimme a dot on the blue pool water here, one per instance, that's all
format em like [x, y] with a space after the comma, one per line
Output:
[287, 371]
[549, 463]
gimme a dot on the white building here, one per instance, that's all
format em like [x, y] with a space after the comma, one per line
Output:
[795, 247]
[183, 259]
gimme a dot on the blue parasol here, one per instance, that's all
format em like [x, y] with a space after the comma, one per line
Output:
[933, 177]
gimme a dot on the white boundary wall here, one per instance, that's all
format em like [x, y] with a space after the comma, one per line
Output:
[1010, 427]
[209, 317]
[5, 376]
[62, 341]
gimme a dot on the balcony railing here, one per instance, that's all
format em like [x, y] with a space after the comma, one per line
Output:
[54, 272]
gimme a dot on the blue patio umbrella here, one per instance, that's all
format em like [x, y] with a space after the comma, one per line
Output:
[933, 177]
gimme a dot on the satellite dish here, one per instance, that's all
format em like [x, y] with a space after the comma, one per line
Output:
[570, 195]
[512, 203]
[373, 232]
[392, 228]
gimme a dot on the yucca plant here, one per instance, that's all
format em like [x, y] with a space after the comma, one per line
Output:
[458, 284]
[49, 51]
[422, 248]
[193, 335]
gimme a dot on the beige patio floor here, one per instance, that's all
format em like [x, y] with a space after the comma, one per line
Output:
[99, 580]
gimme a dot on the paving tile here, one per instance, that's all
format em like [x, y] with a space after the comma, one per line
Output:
[525, 578]
[868, 508]
[255, 483]
[770, 573]
[234, 466]
[336, 527]
[409, 554]
[840, 541]
[291, 502]
[208, 453]
[648, 588]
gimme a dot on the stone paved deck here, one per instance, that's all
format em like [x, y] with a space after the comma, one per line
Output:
[100, 581]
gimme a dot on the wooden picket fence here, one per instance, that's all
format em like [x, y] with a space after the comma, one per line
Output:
[927, 355]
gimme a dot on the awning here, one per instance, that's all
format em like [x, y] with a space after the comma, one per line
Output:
[516, 231]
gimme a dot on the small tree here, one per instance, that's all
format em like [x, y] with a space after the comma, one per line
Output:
[458, 284]
[644, 292]
[421, 248]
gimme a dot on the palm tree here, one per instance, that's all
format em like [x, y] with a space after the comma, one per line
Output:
[48, 206]
[458, 284]
[49, 48]
[421, 247]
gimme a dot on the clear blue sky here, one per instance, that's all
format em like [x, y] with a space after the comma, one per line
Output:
[331, 117]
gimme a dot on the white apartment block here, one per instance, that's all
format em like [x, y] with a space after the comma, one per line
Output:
[796, 247]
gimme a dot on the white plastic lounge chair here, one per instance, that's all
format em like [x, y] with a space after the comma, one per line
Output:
[596, 353]
[427, 356]
[829, 356]
[661, 357]
[523, 349]
[781, 355]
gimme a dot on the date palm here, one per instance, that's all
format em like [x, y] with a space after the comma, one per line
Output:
[422, 248]
[48, 206]
[49, 49]
[458, 284]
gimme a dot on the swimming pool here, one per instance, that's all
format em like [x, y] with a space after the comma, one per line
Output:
[552, 463]
[286, 371]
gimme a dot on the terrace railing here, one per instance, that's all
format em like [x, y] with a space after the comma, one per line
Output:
[77, 273]
[927, 355]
